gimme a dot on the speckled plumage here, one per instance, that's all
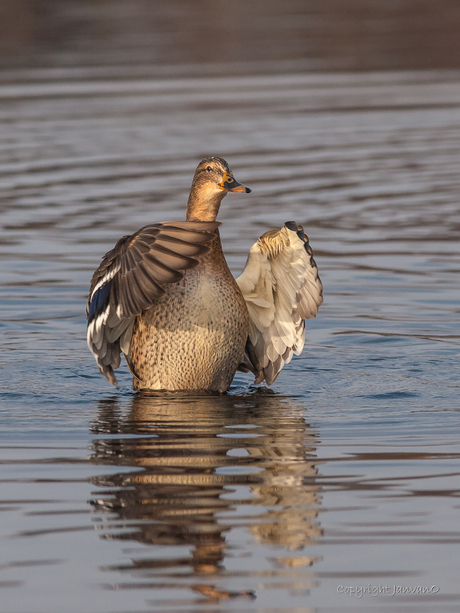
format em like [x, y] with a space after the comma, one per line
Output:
[165, 298]
[193, 337]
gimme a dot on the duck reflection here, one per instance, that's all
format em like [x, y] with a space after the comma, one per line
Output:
[202, 466]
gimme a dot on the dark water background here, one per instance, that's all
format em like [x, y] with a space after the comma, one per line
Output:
[344, 116]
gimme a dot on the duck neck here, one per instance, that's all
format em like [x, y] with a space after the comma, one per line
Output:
[202, 206]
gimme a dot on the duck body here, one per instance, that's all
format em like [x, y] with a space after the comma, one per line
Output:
[194, 335]
[165, 298]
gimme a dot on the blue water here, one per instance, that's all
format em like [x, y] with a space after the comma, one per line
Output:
[335, 490]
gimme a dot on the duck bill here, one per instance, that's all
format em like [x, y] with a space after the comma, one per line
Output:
[230, 184]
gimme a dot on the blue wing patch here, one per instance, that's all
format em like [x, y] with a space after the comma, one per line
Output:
[99, 301]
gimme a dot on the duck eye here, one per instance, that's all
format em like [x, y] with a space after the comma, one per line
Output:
[209, 169]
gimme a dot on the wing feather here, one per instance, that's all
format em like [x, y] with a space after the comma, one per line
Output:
[281, 286]
[131, 277]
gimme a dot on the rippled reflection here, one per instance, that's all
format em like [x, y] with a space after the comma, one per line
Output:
[202, 468]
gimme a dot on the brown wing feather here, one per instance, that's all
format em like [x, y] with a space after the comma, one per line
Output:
[131, 277]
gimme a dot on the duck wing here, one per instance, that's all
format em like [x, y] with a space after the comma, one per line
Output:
[281, 287]
[131, 277]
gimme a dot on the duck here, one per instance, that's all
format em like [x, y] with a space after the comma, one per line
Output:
[165, 298]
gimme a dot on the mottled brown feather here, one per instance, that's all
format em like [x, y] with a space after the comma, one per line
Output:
[137, 269]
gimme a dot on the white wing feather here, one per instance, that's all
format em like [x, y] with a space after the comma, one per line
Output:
[281, 287]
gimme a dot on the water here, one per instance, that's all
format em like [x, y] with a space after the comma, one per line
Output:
[335, 490]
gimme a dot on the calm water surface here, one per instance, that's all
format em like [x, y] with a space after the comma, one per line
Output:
[344, 475]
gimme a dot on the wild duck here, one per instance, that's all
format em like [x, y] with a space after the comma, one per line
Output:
[165, 298]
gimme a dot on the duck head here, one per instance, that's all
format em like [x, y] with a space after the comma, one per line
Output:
[212, 181]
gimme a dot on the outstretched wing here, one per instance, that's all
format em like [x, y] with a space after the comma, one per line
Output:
[281, 287]
[129, 279]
